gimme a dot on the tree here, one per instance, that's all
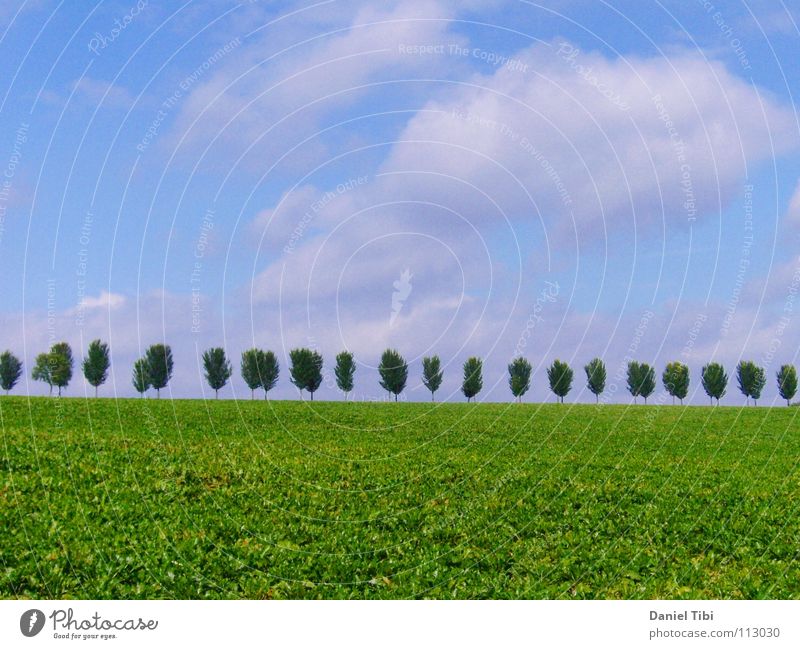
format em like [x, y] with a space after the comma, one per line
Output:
[344, 371]
[270, 370]
[432, 374]
[10, 370]
[596, 377]
[41, 370]
[519, 377]
[676, 380]
[61, 364]
[217, 369]
[306, 369]
[715, 381]
[641, 380]
[250, 370]
[473, 377]
[159, 366]
[394, 372]
[96, 364]
[751, 379]
[141, 377]
[787, 382]
[560, 376]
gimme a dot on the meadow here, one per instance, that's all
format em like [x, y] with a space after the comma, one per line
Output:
[121, 499]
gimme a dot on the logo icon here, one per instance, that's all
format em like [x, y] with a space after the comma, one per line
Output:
[31, 622]
[402, 289]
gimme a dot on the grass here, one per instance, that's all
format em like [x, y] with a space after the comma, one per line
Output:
[191, 499]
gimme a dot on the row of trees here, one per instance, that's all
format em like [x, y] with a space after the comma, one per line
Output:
[260, 370]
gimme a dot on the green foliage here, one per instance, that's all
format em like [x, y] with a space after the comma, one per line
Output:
[141, 377]
[270, 371]
[96, 364]
[519, 377]
[250, 369]
[216, 502]
[61, 365]
[715, 381]
[10, 370]
[559, 374]
[344, 371]
[306, 369]
[473, 377]
[596, 377]
[751, 379]
[787, 382]
[159, 366]
[217, 369]
[41, 370]
[432, 374]
[641, 380]
[676, 380]
[393, 370]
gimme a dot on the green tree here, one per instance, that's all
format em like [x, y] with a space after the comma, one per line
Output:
[141, 377]
[473, 377]
[41, 370]
[61, 365]
[393, 370]
[344, 371]
[270, 370]
[96, 364]
[715, 381]
[519, 377]
[787, 382]
[217, 369]
[751, 379]
[641, 380]
[676, 380]
[250, 369]
[432, 374]
[596, 377]
[159, 366]
[10, 370]
[306, 370]
[560, 376]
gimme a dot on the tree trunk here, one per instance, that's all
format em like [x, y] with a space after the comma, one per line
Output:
[312, 396]
[216, 394]
[252, 395]
[395, 397]
[95, 392]
[158, 393]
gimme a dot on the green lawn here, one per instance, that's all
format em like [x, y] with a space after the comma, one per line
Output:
[192, 499]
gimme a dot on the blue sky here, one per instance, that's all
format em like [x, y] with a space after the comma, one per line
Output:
[560, 179]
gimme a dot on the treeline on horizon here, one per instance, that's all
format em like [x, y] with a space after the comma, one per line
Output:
[260, 370]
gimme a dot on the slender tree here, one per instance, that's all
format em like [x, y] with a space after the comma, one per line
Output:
[96, 364]
[596, 377]
[217, 369]
[559, 374]
[270, 371]
[715, 381]
[473, 377]
[10, 370]
[141, 377]
[751, 379]
[393, 370]
[432, 374]
[250, 370]
[41, 370]
[344, 371]
[787, 383]
[641, 380]
[159, 366]
[61, 365]
[306, 370]
[676, 380]
[519, 377]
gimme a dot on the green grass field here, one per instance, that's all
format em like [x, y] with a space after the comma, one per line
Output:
[192, 499]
